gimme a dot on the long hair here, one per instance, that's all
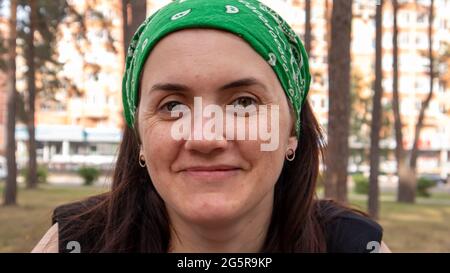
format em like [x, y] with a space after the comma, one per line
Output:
[132, 217]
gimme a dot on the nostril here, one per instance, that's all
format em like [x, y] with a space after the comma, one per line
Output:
[205, 146]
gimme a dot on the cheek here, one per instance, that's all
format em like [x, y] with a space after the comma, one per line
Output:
[265, 165]
[159, 148]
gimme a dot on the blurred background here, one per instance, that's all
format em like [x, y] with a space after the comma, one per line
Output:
[380, 89]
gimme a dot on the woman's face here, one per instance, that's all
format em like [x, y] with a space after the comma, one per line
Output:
[210, 181]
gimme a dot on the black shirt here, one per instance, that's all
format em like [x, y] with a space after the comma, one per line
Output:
[348, 232]
[351, 232]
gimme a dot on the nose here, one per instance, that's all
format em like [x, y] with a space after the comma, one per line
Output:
[205, 146]
[204, 141]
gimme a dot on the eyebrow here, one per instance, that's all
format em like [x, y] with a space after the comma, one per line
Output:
[245, 82]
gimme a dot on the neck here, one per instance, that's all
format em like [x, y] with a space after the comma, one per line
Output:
[244, 235]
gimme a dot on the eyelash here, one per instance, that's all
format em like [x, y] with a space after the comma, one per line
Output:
[162, 108]
[168, 103]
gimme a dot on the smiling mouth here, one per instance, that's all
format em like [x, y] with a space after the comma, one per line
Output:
[212, 172]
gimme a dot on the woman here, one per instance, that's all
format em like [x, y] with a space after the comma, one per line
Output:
[176, 190]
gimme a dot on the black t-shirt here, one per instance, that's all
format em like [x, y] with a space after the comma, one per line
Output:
[351, 232]
[348, 232]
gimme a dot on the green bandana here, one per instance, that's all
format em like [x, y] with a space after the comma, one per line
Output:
[265, 31]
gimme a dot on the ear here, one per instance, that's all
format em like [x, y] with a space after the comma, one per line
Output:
[141, 149]
[293, 142]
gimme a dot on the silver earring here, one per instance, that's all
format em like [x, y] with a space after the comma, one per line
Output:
[290, 154]
[141, 161]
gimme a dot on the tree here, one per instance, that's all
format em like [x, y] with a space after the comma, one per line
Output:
[37, 35]
[134, 13]
[373, 201]
[405, 191]
[407, 170]
[443, 63]
[361, 116]
[360, 107]
[308, 26]
[426, 102]
[11, 180]
[31, 84]
[339, 101]
[77, 22]
[36, 44]
[43, 19]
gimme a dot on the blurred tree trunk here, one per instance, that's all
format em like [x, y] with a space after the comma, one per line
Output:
[339, 101]
[308, 26]
[408, 172]
[426, 102]
[134, 12]
[327, 15]
[31, 84]
[373, 202]
[406, 191]
[11, 179]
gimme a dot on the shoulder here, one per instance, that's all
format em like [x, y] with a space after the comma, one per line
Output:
[48, 243]
[351, 231]
[63, 213]
[74, 219]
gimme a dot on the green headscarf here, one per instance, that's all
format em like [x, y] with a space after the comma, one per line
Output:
[261, 27]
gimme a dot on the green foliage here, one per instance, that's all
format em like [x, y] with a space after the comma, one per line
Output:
[42, 174]
[3, 52]
[360, 107]
[89, 174]
[361, 116]
[50, 15]
[361, 183]
[423, 186]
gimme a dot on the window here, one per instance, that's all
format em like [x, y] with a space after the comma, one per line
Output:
[441, 88]
[61, 107]
[418, 105]
[93, 149]
[44, 106]
[404, 39]
[422, 18]
[55, 147]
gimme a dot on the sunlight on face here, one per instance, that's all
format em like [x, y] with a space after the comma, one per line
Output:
[209, 181]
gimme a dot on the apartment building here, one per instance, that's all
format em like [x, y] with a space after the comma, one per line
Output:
[98, 71]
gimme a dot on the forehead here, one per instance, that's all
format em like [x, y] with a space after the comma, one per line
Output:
[205, 55]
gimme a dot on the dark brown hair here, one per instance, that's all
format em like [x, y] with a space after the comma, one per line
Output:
[132, 217]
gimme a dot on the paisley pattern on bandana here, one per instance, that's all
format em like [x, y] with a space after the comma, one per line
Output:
[261, 27]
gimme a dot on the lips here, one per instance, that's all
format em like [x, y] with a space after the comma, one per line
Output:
[211, 168]
[212, 172]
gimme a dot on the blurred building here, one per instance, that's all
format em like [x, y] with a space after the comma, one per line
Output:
[82, 123]
[93, 69]
[96, 68]
[434, 142]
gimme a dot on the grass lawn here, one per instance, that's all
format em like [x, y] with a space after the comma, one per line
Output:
[21, 227]
[422, 227]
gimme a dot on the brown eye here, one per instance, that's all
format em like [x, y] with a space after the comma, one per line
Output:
[170, 105]
[244, 102]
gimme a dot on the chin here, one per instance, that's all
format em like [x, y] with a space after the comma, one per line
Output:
[212, 212]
